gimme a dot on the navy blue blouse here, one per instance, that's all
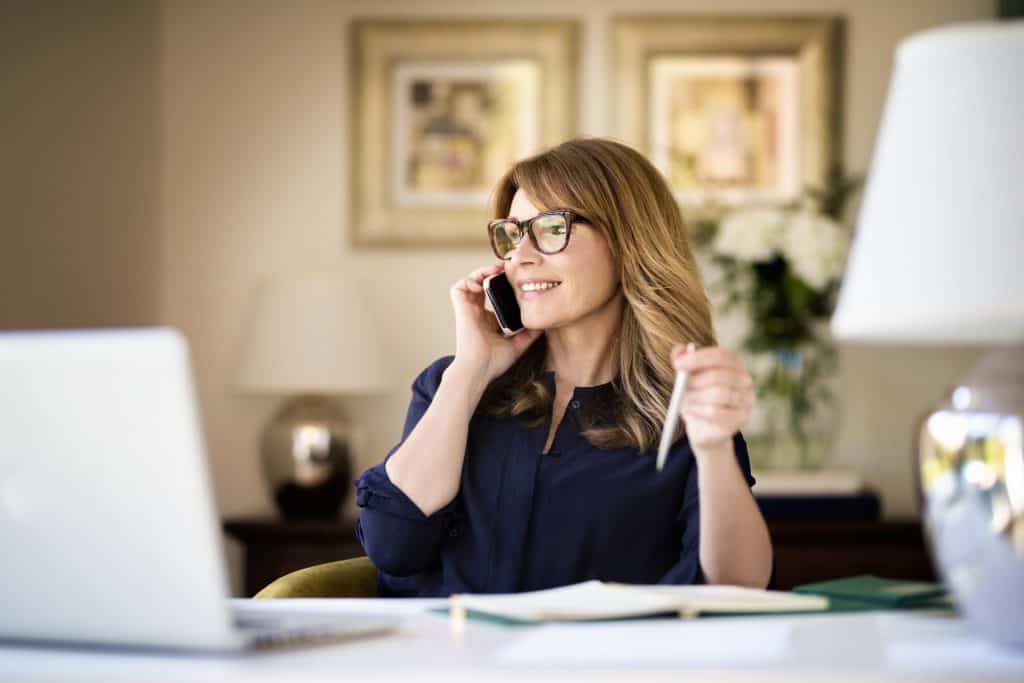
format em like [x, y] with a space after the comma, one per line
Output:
[524, 520]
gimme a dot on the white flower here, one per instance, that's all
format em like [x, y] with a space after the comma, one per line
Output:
[750, 235]
[815, 247]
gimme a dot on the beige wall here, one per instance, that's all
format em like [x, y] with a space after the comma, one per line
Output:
[161, 159]
[79, 166]
[254, 184]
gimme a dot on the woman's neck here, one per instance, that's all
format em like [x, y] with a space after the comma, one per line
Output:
[583, 354]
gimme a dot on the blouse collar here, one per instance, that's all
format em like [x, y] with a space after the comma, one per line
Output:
[548, 376]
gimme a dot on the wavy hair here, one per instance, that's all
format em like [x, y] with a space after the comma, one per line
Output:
[624, 197]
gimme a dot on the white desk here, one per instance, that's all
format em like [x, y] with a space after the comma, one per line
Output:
[864, 646]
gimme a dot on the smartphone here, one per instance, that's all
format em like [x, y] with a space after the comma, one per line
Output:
[502, 296]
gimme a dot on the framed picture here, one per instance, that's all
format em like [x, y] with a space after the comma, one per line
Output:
[733, 110]
[441, 109]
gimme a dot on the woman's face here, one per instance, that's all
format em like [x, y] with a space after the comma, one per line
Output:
[585, 272]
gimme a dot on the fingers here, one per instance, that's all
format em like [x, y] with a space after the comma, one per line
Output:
[477, 277]
[721, 415]
[724, 378]
[714, 372]
[719, 395]
[705, 358]
[719, 390]
[474, 281]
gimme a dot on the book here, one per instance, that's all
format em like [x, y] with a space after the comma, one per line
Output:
[829, 482]
[597, 600]
[873, 591]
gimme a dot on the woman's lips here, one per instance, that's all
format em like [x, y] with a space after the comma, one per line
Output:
[533, 294]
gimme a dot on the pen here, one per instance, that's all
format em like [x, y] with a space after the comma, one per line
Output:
[672, 415]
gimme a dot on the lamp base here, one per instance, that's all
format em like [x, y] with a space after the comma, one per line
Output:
[306, 453]
[972, 472]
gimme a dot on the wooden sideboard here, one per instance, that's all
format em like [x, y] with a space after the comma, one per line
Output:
[805, 551]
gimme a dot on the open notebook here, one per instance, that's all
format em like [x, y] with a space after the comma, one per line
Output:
[595, 600]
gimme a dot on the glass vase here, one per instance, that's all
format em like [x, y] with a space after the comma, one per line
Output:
[794, 423]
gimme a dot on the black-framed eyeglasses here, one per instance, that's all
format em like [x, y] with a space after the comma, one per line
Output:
[549, 231]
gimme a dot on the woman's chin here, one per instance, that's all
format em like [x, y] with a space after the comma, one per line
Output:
[533, 322]
[539, 322]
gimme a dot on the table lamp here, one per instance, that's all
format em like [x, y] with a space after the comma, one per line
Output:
[938, 259]
[309, 338]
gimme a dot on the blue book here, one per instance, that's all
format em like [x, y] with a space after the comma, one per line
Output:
[859, 507]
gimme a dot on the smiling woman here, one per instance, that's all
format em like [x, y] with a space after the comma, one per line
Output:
[525, 460]
[630, 262]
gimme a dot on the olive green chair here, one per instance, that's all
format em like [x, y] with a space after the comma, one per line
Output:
[355, 578]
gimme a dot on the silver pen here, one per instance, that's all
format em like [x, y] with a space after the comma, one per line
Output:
[672, 415]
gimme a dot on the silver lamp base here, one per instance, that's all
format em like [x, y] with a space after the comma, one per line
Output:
[972, 472]
[306, 453]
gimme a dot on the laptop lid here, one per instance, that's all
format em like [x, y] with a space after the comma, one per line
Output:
[107, 522]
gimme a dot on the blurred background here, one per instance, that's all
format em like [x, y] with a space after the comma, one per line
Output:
[162, 159]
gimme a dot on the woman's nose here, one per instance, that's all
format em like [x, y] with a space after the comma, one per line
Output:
[524, 252]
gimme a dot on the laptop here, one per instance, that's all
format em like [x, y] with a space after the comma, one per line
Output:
[108, 529]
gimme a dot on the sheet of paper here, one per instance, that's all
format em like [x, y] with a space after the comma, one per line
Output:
[714, 642]
[596, 600]
[589, 600]
[738, 599]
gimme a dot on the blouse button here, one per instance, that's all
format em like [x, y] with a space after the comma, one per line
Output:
[576, 404]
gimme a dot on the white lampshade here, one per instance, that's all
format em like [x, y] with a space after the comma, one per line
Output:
[310, 334]
[938, 255]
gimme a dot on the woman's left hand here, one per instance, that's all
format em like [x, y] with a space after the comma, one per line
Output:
[719, 395]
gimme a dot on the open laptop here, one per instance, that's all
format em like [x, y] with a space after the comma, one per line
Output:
[108, 529]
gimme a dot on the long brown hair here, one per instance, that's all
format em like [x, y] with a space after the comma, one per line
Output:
[624, 197]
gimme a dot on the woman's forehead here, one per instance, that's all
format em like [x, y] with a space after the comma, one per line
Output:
[522, 207]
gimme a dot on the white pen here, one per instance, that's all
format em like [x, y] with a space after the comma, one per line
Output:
[672, 415]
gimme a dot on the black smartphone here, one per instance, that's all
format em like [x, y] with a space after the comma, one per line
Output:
[503, 300]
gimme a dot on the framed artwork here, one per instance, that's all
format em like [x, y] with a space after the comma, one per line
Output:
[441, 109]
[733, 110]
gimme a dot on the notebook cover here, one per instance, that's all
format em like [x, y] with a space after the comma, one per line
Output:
[874, 591]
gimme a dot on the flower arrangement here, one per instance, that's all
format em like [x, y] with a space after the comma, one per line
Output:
[782, 267]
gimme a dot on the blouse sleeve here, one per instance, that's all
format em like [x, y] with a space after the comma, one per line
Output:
[687, 569]
[397, 536]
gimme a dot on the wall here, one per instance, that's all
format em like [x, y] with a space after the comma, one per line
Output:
[254, 183]
[79, 175]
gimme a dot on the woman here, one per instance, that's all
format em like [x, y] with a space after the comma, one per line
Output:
[526, 462]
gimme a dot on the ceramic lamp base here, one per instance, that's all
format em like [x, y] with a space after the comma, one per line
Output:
[306, 453]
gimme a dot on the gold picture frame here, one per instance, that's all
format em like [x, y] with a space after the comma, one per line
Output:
[440, 109]
[734, 110]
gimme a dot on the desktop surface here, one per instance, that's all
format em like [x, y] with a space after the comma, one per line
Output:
[869, 646]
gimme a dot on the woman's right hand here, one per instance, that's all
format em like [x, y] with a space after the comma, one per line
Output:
[480, 347]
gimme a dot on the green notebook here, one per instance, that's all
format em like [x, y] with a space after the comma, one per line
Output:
[867, 592]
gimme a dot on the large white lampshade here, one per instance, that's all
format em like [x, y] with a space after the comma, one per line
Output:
[939, 251]
[310, 334]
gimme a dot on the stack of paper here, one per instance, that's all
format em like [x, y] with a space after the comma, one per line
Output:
[594, 600]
